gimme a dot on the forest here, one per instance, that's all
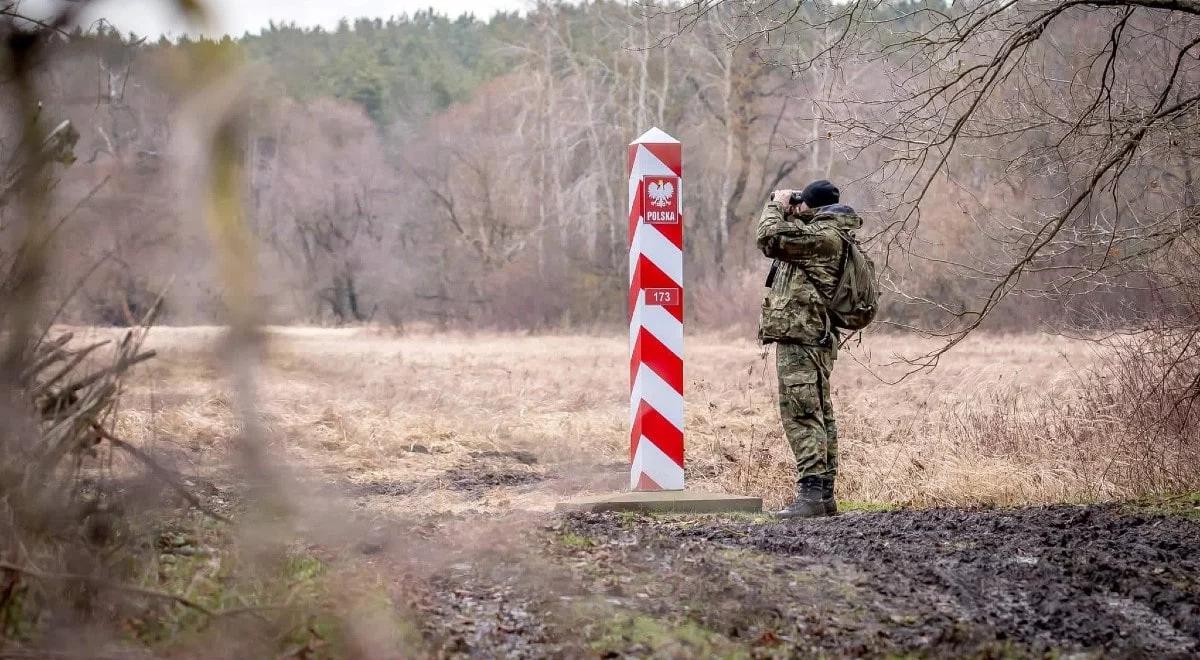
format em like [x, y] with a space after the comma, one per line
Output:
[460, 172]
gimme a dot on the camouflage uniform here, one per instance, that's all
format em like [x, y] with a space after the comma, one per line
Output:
[807, 250]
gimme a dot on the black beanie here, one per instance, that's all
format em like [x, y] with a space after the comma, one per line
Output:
[820, 193]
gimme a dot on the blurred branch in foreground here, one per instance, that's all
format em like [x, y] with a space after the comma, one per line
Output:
[59, 394]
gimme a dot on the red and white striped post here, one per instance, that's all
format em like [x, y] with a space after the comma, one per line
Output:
[655, 167]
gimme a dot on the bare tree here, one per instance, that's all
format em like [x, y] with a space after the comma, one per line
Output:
[1089, 107]
[321, 178]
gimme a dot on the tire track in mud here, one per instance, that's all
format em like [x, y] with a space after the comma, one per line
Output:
[955, 582]
[473, 476]
[1097, 581]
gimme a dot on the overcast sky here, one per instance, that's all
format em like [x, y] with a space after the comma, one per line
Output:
[151, 17]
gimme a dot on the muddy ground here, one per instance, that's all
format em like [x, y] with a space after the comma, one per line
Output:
[1100, 581]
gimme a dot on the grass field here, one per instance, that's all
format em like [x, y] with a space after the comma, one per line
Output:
[416, 418]
[400, 506]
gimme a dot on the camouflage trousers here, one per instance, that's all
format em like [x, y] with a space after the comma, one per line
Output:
[806, 407]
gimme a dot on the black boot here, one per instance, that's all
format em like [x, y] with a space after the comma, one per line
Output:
[827, 495]
[810, 499]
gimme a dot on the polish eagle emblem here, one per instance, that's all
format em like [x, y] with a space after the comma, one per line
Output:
[661, 192]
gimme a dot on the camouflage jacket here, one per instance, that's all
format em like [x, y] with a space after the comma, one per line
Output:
[807, 249]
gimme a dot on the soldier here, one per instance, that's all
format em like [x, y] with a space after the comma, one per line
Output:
[803, 233]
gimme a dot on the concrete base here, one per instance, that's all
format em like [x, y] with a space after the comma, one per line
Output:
[665, 501]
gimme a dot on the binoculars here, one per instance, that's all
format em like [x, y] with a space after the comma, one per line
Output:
[796, 198]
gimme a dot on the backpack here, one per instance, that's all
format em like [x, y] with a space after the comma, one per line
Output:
[856, 297]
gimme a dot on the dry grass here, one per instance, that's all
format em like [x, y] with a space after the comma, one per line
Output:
[993, 425]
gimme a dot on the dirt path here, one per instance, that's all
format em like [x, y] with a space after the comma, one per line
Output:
[940, 583]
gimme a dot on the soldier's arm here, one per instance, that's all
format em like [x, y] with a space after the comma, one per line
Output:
[784, 238]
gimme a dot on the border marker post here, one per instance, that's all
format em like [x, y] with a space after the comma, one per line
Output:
[656, 299]
[656, 295]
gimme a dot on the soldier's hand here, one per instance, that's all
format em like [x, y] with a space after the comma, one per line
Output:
[781, 197]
